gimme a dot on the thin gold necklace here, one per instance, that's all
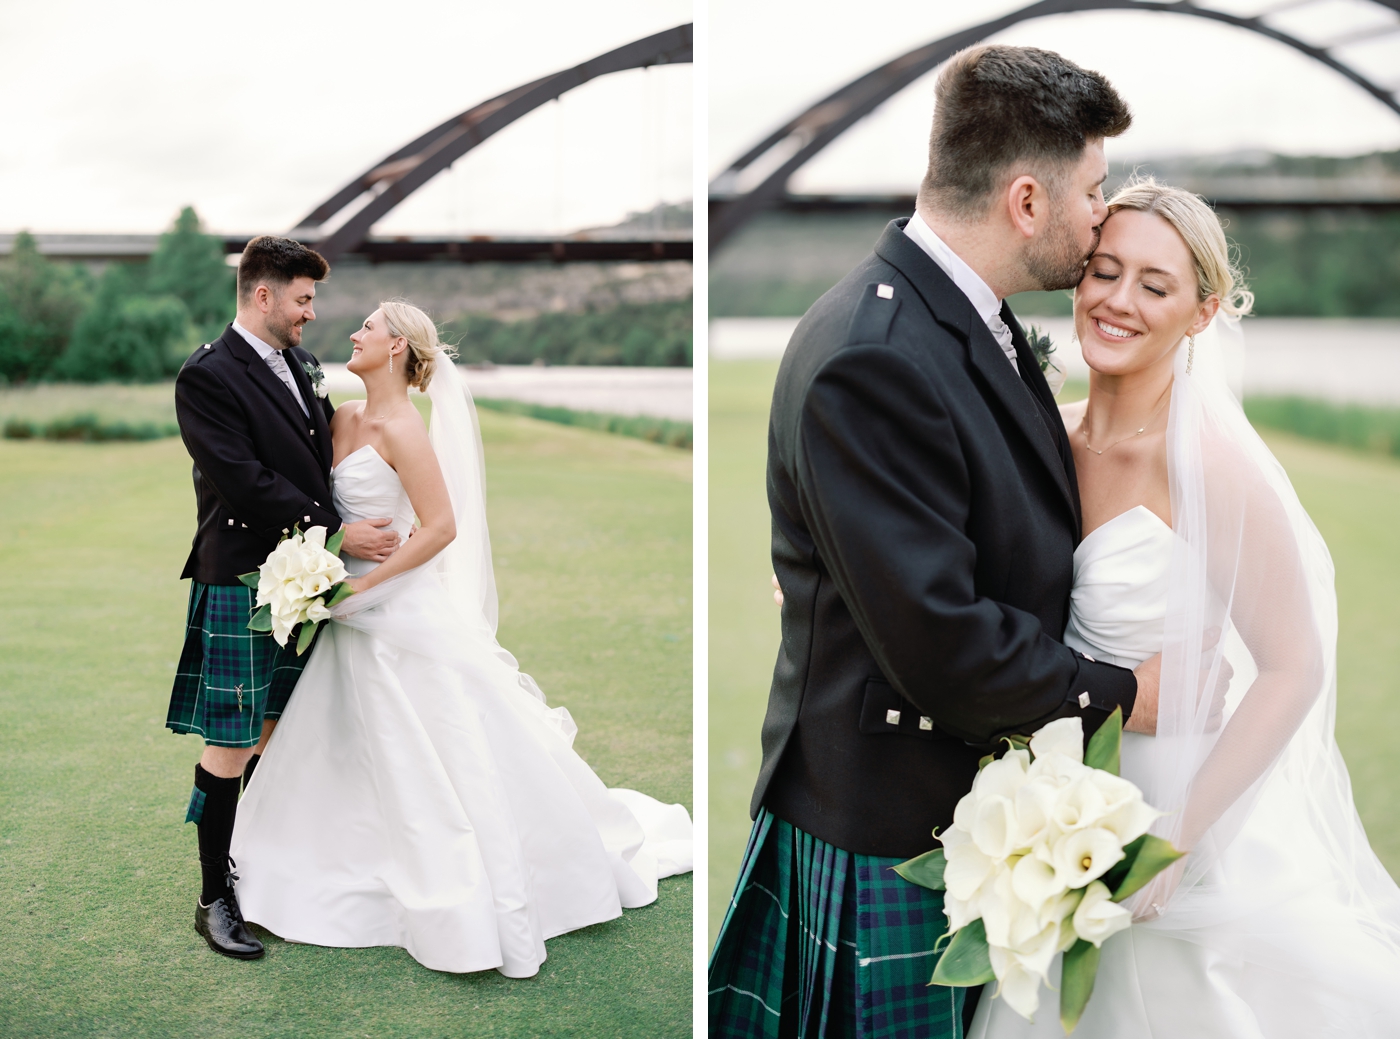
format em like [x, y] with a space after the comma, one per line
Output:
[1084, 426]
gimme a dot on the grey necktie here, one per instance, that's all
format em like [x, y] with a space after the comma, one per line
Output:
[278, 364]
[1002, 333]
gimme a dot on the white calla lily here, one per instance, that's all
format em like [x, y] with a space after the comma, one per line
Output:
[1063, 736]
[1097, 916]
[1018, 986]
[1085, 855]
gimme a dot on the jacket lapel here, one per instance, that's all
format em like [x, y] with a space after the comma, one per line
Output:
[953, 310]
[322, 436]
[272, 386]
[1034, 379]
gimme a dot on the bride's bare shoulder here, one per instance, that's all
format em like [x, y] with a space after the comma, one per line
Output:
[345, 412]
[405, 432]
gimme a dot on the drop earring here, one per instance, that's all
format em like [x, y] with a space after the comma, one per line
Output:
[391, 362]
[1190, 352]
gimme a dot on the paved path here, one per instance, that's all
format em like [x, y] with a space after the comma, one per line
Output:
[660, 392]
[1343, 359]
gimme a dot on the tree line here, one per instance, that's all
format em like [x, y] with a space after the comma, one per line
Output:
[136, 322]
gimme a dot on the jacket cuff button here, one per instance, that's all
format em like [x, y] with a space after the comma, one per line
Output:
[891, 717]
[1084, 699]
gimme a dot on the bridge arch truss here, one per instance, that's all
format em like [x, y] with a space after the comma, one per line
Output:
[792, 145]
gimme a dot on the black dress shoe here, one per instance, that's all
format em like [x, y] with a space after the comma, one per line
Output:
[221, 924]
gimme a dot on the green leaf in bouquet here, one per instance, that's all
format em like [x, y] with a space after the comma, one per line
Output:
[339, 593]
[1105, 747]
[985, 761]
[308, 632]
[926, 870]
[251, 580]
[334, 541]
[1146, 857]
[262, 620]
[1081, 964]
[966, 961]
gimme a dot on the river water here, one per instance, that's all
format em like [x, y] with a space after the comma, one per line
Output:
[1346, 360]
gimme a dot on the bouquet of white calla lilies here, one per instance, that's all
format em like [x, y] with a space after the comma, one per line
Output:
[300, 581]
[1042, 851]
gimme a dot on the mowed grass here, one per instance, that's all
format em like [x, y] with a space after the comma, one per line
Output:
[98, 875]
[1354, 499]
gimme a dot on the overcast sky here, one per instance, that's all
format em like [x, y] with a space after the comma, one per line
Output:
[1194, 86]
[117, 114]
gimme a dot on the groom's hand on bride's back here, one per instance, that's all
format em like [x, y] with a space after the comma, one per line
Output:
[370, 539]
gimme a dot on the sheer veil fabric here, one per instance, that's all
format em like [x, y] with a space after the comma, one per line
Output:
[1280, 874]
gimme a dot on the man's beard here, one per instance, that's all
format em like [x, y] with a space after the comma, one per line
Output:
[285, 331]
[1057, 263]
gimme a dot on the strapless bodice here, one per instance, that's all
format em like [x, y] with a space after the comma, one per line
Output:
[1119, 603]
[364, 486]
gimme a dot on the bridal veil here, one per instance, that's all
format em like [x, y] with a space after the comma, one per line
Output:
[1256, 786]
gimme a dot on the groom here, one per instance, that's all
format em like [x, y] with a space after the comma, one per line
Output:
[925, 516]
[255, 418]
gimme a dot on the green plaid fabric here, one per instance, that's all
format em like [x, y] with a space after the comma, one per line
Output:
[820, 943]
[229, 678]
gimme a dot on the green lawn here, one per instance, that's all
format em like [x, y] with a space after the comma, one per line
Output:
[98, 876]
[1354, 499]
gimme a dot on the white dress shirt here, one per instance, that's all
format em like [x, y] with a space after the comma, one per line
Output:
[276, 362]
[983, 299]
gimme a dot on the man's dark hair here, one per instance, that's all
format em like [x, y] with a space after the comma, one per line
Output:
[999, 107]
[272, 261]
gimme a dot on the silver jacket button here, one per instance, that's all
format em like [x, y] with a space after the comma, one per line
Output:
[891, 717]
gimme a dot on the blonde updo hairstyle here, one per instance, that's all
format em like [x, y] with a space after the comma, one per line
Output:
[1216, 270]
[402, 318]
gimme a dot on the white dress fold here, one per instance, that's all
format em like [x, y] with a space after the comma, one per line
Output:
[1327, 970]
[419, 793]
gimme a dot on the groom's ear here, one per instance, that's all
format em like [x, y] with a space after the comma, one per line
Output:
[1027, 205]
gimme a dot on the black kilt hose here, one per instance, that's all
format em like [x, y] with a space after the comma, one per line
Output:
[261, 468]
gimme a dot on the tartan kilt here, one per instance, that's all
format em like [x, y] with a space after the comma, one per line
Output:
[229, 678]
[820, 943]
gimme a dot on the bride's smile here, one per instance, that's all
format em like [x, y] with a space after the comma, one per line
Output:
[1138, 297]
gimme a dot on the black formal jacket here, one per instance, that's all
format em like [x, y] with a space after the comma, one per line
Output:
[260, 465]
[925, 516]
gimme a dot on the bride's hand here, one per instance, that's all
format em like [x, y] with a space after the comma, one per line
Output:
[777, 591]
[1153, 901]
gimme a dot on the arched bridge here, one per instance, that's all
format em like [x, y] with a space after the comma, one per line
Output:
[391, 180]
[793, 144]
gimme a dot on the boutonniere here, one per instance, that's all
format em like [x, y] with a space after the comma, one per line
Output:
[1044, 350]
[317, 377]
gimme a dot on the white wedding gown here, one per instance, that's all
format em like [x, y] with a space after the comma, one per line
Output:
[1327, 974]
[418, 792]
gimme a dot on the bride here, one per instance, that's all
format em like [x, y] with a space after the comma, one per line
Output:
[418, 792]
[1281, 921]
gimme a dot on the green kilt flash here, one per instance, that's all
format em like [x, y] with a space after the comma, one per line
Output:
[229, 678]
[820, 943]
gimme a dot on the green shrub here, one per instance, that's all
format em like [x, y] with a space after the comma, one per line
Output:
[189, 265]
[39, 303]
[88, 428]
[1367, 428]
[654, 335]
[127, 335]
[643, 427]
